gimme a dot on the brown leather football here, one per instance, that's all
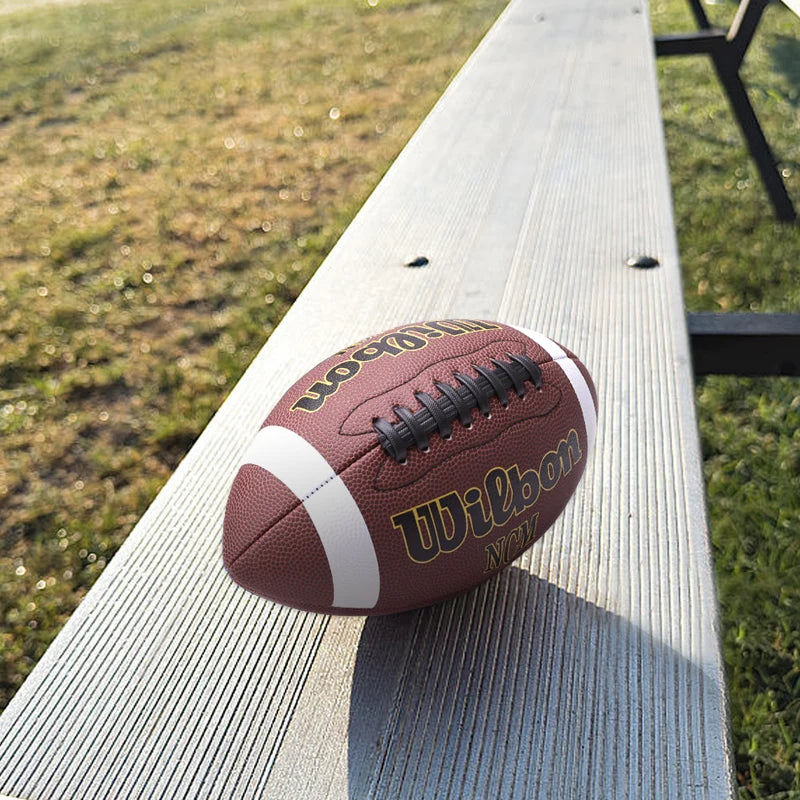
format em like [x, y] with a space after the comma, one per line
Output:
[409, 468]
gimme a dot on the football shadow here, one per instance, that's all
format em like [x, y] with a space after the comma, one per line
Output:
[434, 710]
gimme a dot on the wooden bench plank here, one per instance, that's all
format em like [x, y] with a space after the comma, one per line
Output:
[590, 668]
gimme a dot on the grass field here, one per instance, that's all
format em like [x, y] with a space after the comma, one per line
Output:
[170, 177]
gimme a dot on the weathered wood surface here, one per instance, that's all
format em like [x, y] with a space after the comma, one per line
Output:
[590, 668]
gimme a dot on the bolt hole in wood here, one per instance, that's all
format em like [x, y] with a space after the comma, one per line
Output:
[643, 262]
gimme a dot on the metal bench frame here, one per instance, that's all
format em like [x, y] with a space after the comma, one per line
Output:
[727, 50]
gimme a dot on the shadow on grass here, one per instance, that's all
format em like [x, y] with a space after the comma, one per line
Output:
[785, 55]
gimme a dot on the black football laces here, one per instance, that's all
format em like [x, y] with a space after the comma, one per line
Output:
[437, 415]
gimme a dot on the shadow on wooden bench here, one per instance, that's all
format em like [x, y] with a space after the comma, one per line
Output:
[457, 694]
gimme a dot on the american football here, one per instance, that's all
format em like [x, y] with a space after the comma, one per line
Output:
[409, 468]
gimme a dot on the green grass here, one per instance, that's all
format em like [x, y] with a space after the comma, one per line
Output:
[171, 174]
[751, 445]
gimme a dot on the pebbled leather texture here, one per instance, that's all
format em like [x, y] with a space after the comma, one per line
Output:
[446, 519]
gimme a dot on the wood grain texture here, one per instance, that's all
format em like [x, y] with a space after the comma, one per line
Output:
[591, 667]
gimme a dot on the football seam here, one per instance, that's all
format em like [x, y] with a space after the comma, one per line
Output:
[324, 483]
[301, 500]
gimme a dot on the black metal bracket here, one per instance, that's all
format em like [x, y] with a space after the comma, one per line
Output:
[727, 50]
[735, 343]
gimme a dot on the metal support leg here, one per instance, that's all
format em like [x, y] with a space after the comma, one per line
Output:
[699, 14]
[756, 141]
